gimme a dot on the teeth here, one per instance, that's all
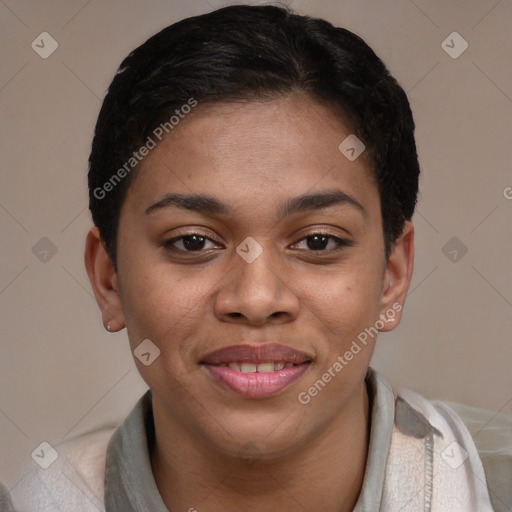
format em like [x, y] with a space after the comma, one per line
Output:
[265, 367]
[247, 368]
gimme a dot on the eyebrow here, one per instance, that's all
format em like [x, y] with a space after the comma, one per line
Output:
[207, 204]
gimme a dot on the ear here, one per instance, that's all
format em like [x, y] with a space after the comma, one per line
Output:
[103, 280]
[397, 278]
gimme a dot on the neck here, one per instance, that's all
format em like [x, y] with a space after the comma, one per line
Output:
[326, 473]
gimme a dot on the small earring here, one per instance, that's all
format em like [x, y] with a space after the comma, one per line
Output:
[109, 327]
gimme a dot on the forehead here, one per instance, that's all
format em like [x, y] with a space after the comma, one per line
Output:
[255, 152]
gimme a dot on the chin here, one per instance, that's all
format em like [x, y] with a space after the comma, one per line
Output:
[256, 438]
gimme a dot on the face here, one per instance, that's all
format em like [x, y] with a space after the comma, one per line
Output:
[280, 270]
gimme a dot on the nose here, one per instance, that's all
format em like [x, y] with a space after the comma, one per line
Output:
[257, 293]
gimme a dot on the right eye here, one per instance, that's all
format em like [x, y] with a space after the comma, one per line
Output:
[191, 242]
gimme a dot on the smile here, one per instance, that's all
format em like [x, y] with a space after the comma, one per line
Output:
[260, 367]
[256, 371]
[253, 383]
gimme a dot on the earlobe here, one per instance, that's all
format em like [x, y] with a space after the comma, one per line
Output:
[104, 282]
[397, 278]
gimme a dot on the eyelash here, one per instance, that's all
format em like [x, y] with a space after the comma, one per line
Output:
[341, 243]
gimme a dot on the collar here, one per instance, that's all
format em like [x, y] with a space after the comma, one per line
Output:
[131, 487]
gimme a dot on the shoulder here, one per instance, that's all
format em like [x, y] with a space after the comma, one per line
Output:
[490, 433]
[73, 482]
[5, 500]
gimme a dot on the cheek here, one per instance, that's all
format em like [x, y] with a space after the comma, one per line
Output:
[169, 305]
[346, 298]
[165, 308]
[156, 301]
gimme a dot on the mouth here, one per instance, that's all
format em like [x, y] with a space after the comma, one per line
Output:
[256, 371]
[265, 367]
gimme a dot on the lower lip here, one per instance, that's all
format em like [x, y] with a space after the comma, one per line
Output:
[256, 385]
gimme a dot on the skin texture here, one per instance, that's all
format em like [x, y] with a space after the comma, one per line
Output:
[216, 450]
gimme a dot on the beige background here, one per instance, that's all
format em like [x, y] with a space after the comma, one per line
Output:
[62, 374]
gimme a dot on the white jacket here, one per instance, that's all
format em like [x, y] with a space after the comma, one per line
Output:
[421, 458]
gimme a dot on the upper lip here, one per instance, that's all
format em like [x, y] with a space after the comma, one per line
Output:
[261, 353]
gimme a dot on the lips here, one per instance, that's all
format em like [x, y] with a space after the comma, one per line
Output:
[256, 354]
[256, 371]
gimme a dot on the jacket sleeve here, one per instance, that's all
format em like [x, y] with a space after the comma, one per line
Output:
[5, 500]
[492, 435]
[72, 483]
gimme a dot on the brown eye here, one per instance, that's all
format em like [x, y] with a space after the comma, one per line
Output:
[323, 242]
[189, 243]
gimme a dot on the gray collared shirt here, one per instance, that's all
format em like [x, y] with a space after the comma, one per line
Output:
[130, 485]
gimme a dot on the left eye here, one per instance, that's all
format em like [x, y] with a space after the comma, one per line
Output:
[320, 241]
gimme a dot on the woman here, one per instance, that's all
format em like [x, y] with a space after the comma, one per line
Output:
[252, 181]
